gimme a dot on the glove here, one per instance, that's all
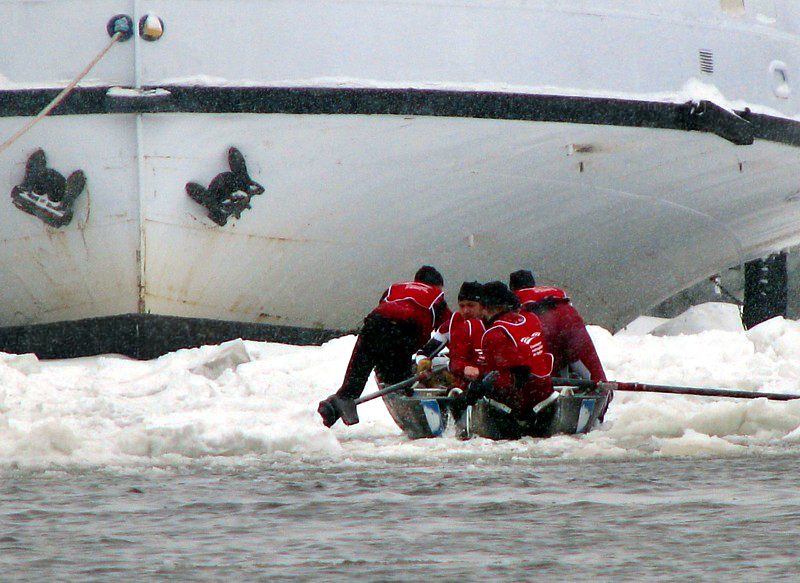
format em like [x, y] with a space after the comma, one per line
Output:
[424, 371]
[480, 388]
[424, 365]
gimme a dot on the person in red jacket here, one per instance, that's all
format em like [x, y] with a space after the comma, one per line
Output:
[403, 321]
[513, 348]
[462, 334]
[564, 330]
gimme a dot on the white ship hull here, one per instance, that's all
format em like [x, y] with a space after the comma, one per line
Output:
[388, 135]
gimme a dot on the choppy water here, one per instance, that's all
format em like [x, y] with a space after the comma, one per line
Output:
[708, 519]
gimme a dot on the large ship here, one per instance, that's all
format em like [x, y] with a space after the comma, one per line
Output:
[180, 171]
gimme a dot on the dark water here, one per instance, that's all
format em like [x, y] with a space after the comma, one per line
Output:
[730, 519]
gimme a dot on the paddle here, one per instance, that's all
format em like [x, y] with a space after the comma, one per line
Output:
[347, 407]
[646, 388]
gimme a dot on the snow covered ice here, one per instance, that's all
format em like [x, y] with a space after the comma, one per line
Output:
[243, 401]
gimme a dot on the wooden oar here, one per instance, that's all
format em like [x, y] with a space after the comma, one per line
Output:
[647, 388]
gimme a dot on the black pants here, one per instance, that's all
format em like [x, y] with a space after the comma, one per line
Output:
[384, 345]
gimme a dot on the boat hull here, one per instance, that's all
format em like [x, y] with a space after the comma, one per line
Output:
[630, 217]
[427, 413]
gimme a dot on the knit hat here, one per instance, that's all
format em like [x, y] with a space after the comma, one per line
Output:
[470, 291]
[496, 293]
[521, 279]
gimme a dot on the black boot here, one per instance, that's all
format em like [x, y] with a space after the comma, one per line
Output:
[336, 407]
[328, 412]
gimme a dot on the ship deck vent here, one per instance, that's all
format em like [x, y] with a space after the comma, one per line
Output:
[706, 61]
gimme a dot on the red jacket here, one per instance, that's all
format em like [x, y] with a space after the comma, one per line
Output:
[513, 343]
[465, 345]
[528, 295]
[564, 330]
[416, 302]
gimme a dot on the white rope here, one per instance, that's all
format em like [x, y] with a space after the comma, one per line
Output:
[60, 97]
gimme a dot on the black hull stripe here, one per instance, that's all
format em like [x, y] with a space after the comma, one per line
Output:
[741, 129]
[144, 336]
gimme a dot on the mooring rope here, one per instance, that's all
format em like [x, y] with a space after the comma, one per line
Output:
[66, 91]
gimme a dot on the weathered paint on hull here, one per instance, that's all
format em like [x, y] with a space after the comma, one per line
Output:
[624, 219]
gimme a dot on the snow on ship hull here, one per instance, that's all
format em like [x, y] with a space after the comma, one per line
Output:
[440, 158]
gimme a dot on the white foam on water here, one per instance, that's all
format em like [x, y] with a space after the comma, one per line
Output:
[242, 401]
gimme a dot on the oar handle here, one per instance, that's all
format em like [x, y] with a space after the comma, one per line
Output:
[647, 388]
[581, 383]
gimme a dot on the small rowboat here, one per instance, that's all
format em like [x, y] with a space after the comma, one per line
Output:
[427, 412]
[575, 408]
